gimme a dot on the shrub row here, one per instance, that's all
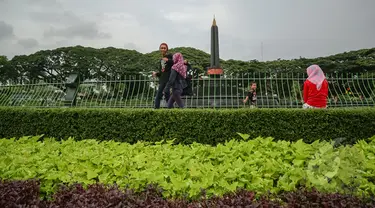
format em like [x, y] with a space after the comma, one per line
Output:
[200, 125]
[25, 194]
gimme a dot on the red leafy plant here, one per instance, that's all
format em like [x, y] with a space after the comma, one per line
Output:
[26, 194]
[305, 198]
[19, 193]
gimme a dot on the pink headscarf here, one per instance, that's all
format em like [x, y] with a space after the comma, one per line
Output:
[179, 64]
[316, 75]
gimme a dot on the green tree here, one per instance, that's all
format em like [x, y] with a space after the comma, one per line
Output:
[114, 63]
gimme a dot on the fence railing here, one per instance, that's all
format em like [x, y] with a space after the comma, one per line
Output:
[138, 91]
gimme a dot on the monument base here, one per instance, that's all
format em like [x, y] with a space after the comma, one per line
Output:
[215, 71]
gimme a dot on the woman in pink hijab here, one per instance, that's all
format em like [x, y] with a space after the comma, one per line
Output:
[315, 88]
[177, 80]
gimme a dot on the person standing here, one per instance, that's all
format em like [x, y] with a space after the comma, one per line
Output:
[188, 91]
[252, 95]
[163, 73]
[315, 88]
[177, 81]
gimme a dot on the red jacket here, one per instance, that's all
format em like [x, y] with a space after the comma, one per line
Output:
[314, 97]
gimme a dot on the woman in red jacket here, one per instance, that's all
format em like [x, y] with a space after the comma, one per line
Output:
[315, 88]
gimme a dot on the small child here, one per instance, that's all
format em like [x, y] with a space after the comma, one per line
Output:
[252, 95]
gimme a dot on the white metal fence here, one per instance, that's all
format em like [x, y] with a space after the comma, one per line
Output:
[282, 90]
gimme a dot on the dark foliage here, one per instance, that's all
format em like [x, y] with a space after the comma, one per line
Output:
[26, 194]
[19, 194]
[304, 198]
[102, 196]
[202, 126]
[241, 198]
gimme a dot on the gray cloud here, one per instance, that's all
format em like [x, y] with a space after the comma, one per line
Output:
[55, 17]
[288, 29]
[6, 31]
[67, 24]
[45, 3]
[131, 46]
[87, 30]
[28, 43]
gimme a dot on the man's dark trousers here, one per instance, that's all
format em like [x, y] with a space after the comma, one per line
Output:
[159, 94]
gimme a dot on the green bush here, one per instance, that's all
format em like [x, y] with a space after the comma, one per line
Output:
[200, 125]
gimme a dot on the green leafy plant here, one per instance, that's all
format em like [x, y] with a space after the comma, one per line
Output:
[261, 165]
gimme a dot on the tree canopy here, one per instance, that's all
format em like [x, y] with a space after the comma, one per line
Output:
[114, 62]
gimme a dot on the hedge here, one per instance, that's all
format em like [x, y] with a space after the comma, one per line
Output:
[207, 126]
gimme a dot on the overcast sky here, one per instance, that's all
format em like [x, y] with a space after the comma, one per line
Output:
[287, 28]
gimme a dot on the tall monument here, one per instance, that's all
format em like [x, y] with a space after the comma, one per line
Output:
[215, 91]
[215, 68]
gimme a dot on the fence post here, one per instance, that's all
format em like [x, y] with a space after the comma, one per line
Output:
[72, 83]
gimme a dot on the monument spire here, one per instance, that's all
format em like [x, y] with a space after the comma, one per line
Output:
[215, 68]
